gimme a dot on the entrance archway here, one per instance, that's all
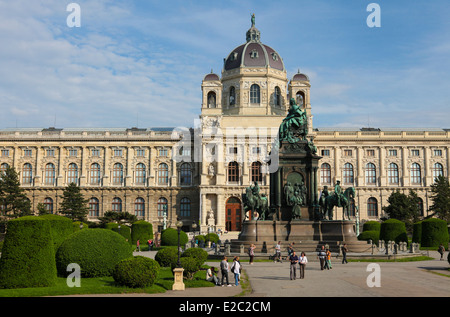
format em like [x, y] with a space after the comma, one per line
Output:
[233, 217]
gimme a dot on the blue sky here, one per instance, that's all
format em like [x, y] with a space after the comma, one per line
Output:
[123, 65]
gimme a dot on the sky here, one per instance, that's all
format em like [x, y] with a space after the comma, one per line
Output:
[136, 63]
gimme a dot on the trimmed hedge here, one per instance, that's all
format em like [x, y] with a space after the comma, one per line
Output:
[417, 232]
[370, 235]
[393, 230]
[190, 266]
[434, 232]
[213, 237]
[96, 251]
[141, 230]
[167, 256]
[197, 254]
[28, 254]
[136, 272]
[372, 226]
[61, 228]
[169, 237]
[124, 231]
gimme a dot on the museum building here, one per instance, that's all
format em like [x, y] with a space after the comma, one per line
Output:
[199, 174]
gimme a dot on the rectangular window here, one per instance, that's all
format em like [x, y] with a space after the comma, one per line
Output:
[51, 152]
[27, 152]
[325, 152]
[118, 152]
[73, 152]
[95, 152]
[415, 153]
[437, 152]
[392, 152]
[233, 150]
[256, 150]
[140, 152]
[371, 153]
[162, 152]
[5, 153]
[347, 152]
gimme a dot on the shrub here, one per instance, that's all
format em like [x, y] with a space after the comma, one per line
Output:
[141, 230]
[124, 231]
[372, 226]
[213, 237]
[197, 254]
[434, 232]
[200, 238]
[61, 227]
[166, 257]
[136, 272]
[169, 237]
[28, 254]
[111, 225]
[393, 230]
[190, 266]
[417, 232]
[370, 235]
[96, 251]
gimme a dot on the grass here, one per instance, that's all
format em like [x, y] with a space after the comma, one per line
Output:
[409, 259]
[106, 285]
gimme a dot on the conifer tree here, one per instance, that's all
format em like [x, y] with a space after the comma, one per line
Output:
[73, 204]
[13, 201]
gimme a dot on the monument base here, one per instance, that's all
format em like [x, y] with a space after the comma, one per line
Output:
[307, 235]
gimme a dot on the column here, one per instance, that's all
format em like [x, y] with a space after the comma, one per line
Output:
[37, 170]
[337, 167]
[107, 177]
[404, 172]
[360, 170]
[83, 168]
[381, 156]
[129, 174]
[427, 177]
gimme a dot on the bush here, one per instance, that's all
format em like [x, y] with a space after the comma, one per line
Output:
[141, 230]
[111, 225]
[190, 266]
[200, 238]
[28, 254]
[212, 237]
[124, 231]
[393, 230]
[372, 226]
[169, 237]
[197, 254]
[96, 251]
[61, 227]
[417, 232]
[136, 272]
[434, 232]
[166, 257]
[370, 235]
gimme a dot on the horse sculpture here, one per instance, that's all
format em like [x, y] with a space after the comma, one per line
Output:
[255, 203]
[328, 201]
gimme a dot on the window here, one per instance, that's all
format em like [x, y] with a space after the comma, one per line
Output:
[48, 205]
[233, 172]
[392, 152]
[95, 174]
[348, 173]
[325, 152]
[163, 174]
[139, 207]
[185, 207]
[3, 168]
[118, 152]
[438, 170]
[117, 174]
[72, 173]
[300, 98]
[94, 207]
[325, 173]
[232, 96]
[140, 152]
[372, 207]
[27, 152]
[277, 97]
[162, 152]
[393, 177]
[415, 153]
[211, 99]
[415, 174]
[5, 153]
[233, 150]
[140, 174]
[254, 94]
[117, 204]
[185, 174]
[49, 174]
[95, 152]
[371, 174]
[50, 152]
[371, 153]
[27, 174]
[162, 207]
[256, 150]
[437, 152]
[73, 152]
[347, 152]
[256, 172]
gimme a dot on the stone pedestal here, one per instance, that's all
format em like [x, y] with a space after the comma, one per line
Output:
[178, 284]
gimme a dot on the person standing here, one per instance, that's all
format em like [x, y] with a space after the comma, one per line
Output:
[344, 253]
[321, 255]
[441, 251]
[138, 246]
[251, 252]
[293, 258]
[278, 252]
[224, 268]
[302, 263]
[328, 259]
[236, 269]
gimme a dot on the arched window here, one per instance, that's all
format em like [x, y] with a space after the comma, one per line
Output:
[48, 205]
[255, 94]
[348, 176]
[49, 174]
[117, 204]
[211, 99]
[139, 207]
[27, 174]
[300, 98]
[162, 207]
[256, 172]
[233, 172]
[232, 96]
[372, 207]
[325, 173]
[140, 174]
[185, 174]
[185, 207]
[163, 174]
[371, 174]
[438, 170]
[72, 174]
[277, 97]
[95, 174]
[393, 177]
[94, 207]
[415, 174]
[3, 168]
[118, 174]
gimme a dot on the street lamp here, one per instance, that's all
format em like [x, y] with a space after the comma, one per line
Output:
[179, 225]
[178, 284]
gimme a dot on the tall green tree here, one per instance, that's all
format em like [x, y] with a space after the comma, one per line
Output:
[13, 201]
[441, 198]
[403, 207]
[118, 217]
[73, 204]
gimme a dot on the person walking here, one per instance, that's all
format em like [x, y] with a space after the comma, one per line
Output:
[293, 258]
[328, 259]
[344, 251]
[224, 268]
[138, 246]
[321, 255]
[251, 253]
[441, 251]
[302, 264]
[278, 252]
[236, 269]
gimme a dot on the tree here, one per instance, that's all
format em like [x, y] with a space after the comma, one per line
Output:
[441, 198]
[74, 205]
[118, 217]
[403, 207]
[13, 201]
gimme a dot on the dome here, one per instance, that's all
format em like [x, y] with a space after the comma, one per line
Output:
[253, 53]
[300, 77]
[211, 77]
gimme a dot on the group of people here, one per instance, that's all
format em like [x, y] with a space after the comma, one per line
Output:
[236, 269]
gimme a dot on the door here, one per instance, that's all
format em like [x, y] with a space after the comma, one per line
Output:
[233, 214]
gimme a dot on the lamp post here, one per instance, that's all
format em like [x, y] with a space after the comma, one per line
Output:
[178, 284]
[179, 225]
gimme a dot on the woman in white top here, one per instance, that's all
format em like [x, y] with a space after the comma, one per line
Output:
[211, 277]
[302, 262]
[236, 269]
